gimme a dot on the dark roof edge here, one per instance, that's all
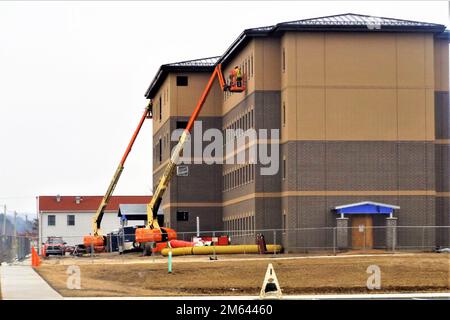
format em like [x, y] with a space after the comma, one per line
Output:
[280, 28]
[359, 15]
[165, 69]
[240, 41]
[444, 35]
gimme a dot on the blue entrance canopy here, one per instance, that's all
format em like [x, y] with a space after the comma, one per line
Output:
[366, 207]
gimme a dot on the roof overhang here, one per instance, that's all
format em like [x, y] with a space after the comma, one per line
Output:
[133, 212]
[366, 207]
[444, 35]
[338, 23]
[348, 22]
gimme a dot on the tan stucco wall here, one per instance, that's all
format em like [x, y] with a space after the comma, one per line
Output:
[336, 86]
[355, 86]
[265, 55]
[185, 99]
[181, 101]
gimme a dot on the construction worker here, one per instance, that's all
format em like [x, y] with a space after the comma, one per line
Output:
[232, 78]
[238, 74]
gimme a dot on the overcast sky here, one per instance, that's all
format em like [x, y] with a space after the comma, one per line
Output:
[73, 77]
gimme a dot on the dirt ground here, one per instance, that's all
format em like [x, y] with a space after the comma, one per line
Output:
[243, 275]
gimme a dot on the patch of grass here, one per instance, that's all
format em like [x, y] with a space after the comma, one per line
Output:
[399, 273]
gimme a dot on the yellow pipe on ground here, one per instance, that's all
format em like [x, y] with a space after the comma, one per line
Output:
[252, 248]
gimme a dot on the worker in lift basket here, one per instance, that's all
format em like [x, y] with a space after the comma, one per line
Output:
[238, 73]
[232, 78]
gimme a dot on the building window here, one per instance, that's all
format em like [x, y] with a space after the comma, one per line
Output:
[160, 150]
[182, 81]
[251, 65]
[284, 114]
[51, 220]
[284, 167]
[71, 220]
[284, 225]
[182, 216]
[182, 124]
[283, 61]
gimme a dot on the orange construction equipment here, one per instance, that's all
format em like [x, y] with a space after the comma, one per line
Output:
[152, 232]
[97, 240]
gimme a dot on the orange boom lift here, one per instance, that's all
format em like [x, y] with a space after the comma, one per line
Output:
[97, 240]
[152, 232]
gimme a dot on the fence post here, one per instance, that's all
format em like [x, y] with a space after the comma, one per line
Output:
[334, 241]
[364, 232]
[394, 238]
[274, 242]
[214, 245]
[423, 238]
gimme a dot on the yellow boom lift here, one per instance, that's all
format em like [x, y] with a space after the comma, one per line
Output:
[152, 232]
[97, 240]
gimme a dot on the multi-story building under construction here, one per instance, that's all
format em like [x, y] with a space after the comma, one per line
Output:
[361, 105]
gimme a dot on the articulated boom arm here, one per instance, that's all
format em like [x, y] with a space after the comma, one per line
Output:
[97, 220]
[153, 206]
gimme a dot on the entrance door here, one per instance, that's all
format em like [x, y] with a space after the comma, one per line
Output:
[362, 232]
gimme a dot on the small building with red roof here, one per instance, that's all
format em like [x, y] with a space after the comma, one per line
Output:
[70, 217]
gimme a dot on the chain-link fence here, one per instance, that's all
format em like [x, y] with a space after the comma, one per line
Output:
[331, 240]
[15, 248]
[301, 240]
[336, 239]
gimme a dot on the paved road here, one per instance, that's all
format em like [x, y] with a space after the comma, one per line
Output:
[23, 283]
